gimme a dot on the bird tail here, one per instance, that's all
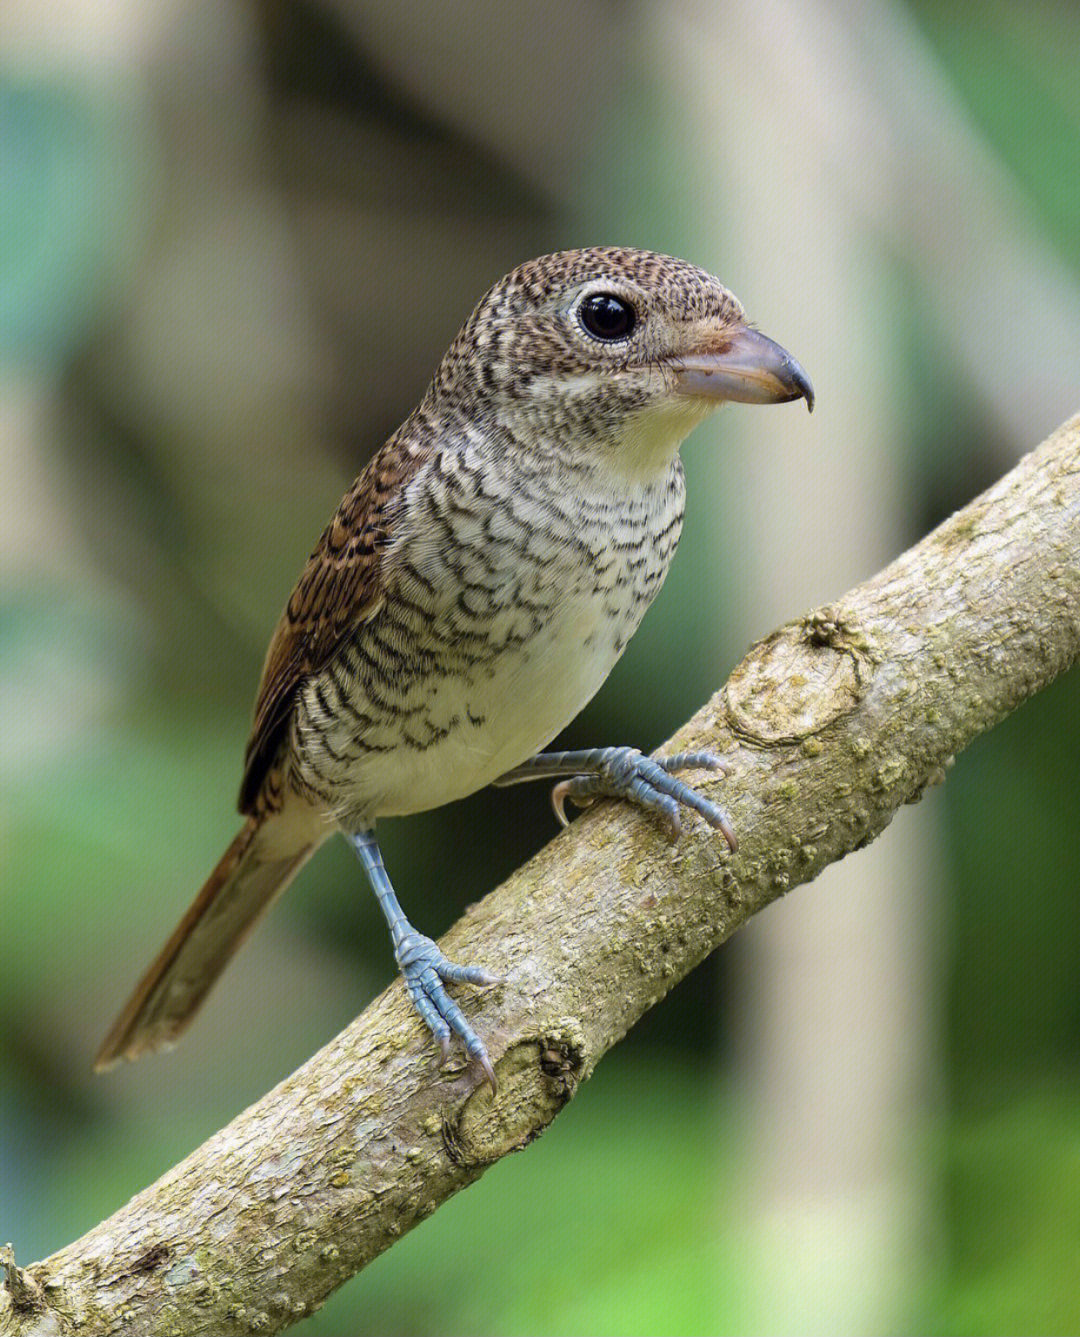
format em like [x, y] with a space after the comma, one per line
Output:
[260, 863]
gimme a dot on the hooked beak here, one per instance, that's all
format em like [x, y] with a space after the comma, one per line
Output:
[747, 367]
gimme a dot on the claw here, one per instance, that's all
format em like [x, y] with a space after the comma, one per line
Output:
[721, 824]
[559, 796]
[489, 1072]
[565, 790]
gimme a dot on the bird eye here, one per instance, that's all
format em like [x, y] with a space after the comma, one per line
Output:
[607, 317]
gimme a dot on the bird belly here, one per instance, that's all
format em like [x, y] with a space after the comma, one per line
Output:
[463, 727]
[511, 713]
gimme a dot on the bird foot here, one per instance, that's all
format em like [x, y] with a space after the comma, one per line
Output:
[626, 773]
[425, 970]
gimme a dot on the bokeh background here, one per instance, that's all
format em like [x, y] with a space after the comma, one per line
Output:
[234, 240]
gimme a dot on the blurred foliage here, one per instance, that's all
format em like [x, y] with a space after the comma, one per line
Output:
[125, 676]
[1012, 1199]
[69, 215]
[1015, 66]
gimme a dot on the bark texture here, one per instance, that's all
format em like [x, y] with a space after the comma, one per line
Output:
[831, 724]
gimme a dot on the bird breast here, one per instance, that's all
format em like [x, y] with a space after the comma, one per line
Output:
[512, 586]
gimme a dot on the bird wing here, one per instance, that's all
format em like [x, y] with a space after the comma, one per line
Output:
[339, 588]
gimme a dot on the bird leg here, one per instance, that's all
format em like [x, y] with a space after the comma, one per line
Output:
[626, 773]
[422, 965]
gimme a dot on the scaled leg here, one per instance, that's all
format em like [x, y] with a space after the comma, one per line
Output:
[422, 965]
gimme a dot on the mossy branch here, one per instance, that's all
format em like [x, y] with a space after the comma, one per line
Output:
[831, 723]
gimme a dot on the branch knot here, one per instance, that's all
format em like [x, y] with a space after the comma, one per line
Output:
[800, 679]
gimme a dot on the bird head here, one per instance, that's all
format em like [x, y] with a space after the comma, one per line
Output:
[615, 352]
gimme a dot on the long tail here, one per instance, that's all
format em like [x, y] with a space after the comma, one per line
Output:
[259, 864]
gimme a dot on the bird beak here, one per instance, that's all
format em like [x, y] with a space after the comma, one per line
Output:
[746, 366]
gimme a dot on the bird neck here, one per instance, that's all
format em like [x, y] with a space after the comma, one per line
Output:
[646, 445]
[619, 449]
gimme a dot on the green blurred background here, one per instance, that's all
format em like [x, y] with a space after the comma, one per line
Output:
[234, 241]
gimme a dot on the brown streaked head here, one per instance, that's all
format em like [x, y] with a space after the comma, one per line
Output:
[586, 341]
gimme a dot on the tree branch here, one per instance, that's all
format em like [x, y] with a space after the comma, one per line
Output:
[831, 724]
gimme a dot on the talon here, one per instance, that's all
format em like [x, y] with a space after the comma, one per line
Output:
[489, 1072]
[723, 826]
[568, 789]
[444, 1050]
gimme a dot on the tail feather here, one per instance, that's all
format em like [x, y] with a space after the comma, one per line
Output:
[251, 874]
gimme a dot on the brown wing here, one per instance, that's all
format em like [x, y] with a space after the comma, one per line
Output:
[338, 588]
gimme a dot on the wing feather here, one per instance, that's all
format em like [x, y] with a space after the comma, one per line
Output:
[339, 587]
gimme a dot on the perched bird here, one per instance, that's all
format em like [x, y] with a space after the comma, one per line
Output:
[474, 589]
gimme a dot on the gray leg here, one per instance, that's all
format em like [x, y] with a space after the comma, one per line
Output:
[422, 965]
[624, 772]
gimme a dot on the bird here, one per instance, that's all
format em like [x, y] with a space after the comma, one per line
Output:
[473, 590]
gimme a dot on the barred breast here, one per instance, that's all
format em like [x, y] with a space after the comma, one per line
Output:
[513, 584]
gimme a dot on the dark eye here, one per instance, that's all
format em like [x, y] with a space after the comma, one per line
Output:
[606, 316]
